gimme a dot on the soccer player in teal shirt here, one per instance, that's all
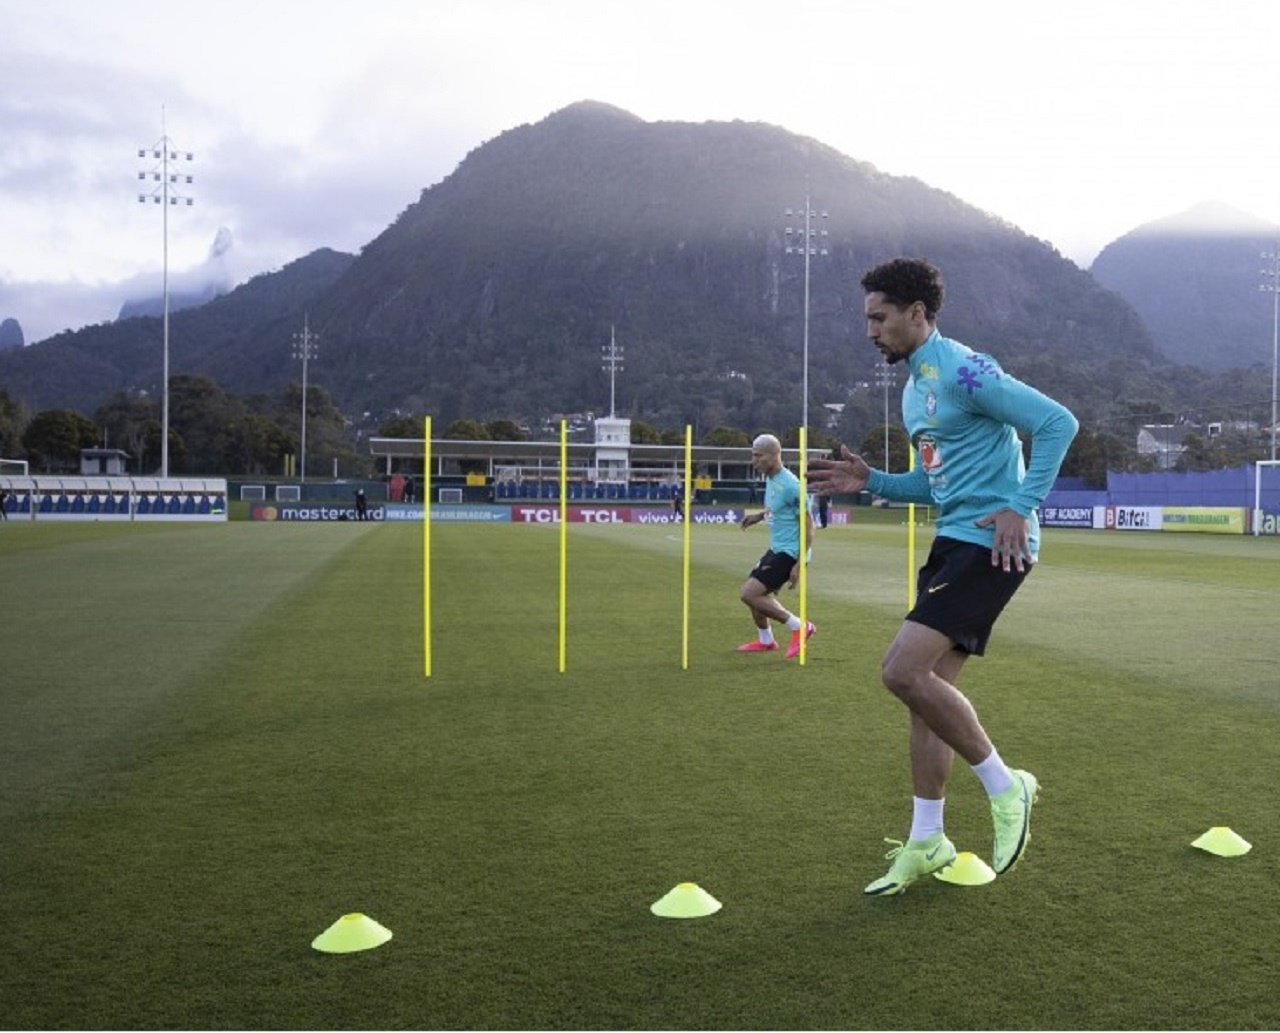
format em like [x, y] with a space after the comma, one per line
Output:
[780, 565]
[964, 415]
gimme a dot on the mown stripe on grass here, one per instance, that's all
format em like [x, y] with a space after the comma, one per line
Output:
[107, 625]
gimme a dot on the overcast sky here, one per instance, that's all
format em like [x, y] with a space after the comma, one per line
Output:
[315, 123]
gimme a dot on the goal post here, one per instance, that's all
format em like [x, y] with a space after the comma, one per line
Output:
[14, 468]
[1257, 492]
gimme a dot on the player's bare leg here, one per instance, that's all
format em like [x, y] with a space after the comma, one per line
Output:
[763, 607]
[910, 670]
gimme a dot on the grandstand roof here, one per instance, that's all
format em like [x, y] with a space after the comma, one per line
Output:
[525, 453]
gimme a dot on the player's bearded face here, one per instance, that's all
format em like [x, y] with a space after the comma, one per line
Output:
[895, 332]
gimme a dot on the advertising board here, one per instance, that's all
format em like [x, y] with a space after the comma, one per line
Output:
[1205, 519]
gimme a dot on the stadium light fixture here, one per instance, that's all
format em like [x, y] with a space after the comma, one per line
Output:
[805, 239]
[163, 151]
[612, 359]
[885, 378]
[304, 348]
[1273, 273]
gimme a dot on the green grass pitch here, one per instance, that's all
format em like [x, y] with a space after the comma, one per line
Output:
[216, 740]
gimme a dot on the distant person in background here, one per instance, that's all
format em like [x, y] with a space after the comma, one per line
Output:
[677, 499]
[362, 505]
[4, 503]
[824, 502]
[408, 489]
[964, 416]
[780, 565]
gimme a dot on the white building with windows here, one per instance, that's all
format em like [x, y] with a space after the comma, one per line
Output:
[612, 463]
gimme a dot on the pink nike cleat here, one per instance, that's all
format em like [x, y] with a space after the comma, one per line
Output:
[793, 650]
[757, 647]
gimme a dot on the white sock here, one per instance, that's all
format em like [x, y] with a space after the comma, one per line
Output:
[765, 634]
[994, 774]
[793, 622]
[926, 817]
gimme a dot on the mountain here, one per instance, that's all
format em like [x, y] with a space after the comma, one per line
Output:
[1193, 278]
[243, 338]
[512, 270]
[178, 300]
[191, 288]
[11, 334]
[492, 294]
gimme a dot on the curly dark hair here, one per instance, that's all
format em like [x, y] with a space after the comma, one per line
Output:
[904, 281]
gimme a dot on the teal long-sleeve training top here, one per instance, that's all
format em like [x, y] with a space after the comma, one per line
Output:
[964, 415]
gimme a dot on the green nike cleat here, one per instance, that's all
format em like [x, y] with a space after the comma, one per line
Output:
[1011, 814]
[911, 861]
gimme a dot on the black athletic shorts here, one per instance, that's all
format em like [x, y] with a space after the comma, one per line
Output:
[773, 570]
[959, 592]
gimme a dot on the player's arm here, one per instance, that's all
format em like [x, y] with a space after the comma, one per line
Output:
[902, 487]
[1049, 424]
[1051, 427]
[794, 578]
[851, 473]
[751, 519]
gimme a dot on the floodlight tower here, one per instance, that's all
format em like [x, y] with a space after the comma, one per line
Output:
[1273, 273]
[612, 359]
[304, 348]
[165, 193]
[811, 243]
[885, 379]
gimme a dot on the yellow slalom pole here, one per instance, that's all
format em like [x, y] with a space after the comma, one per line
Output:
[804, 527]
[426, 547]
[684, 505]
[564, 538]
[911, 536]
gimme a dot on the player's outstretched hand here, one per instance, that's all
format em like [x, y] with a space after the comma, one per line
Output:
[831, 476]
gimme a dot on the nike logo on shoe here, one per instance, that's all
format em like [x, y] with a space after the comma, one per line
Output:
[933, 853]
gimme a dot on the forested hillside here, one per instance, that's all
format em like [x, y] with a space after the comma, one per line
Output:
[491, 296]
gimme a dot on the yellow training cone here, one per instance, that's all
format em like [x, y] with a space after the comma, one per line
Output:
[966, 870]
[355, 932]
[1222, 841]
[687, 900]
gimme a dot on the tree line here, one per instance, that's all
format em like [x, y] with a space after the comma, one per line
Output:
[212, 432]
